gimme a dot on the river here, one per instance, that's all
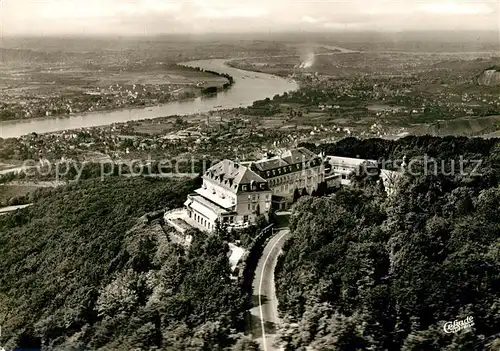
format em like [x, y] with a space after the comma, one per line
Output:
[248, 87]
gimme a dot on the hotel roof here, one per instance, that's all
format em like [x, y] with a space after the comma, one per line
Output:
[201, 205]
[298, 155]
[288, 158]
[230, 175]
[224, 202]
[270, 163]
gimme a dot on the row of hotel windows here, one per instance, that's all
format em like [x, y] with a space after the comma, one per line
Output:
[253, 197]
[207, 224]
[294, 177]
[253, 207]
[296, 180]
[256, 197]
[288, 188]
[230, 219]
[262, 186]
[290, 168]
[203, 221]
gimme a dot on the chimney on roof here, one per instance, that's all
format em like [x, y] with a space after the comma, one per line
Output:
[323, 154]
[269, 155]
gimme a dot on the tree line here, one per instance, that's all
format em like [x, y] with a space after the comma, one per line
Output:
[364, 270]
[211, 90]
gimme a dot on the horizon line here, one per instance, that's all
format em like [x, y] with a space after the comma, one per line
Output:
[239, 33]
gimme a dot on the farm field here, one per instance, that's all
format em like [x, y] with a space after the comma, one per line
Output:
[481, 126]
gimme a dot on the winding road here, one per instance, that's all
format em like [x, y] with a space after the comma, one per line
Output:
[265, 317]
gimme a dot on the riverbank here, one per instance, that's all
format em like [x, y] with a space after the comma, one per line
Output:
[146, 93]
[249, 88]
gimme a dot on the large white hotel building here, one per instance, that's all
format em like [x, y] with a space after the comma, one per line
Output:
[237, 193]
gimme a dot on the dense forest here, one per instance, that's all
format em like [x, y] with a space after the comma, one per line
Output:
[363, 269]
[74, 276]
[368, 271]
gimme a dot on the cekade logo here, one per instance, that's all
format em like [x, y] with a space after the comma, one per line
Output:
[456, 326]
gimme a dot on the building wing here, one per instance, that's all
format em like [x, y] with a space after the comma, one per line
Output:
[270, 163]
[288, 158]
[231, 175]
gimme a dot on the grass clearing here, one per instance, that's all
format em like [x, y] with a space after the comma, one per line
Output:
[8, 192]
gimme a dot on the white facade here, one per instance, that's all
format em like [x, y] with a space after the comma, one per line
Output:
[237, 194]
[309, 179]
[232, 194]
[344, 166]
[293, 170]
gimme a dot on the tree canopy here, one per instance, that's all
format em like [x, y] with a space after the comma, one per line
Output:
[78, 272]
[366, 271]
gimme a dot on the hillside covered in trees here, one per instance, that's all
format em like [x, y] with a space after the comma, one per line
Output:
[367, 271]
[74, 276]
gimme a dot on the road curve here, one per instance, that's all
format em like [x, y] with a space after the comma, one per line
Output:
[265, 318]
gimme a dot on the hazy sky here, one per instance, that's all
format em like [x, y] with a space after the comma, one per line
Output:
[47, 17]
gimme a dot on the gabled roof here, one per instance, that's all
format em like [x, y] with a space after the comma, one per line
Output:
[230, 175]
[298, 155]
[270, 163]
[288, 158]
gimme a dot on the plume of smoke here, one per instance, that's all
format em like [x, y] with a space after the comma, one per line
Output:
[309, 62]
[307, 57]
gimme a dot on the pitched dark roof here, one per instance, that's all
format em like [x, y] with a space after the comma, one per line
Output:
[298, 155]
[230, 175]
[288, 158]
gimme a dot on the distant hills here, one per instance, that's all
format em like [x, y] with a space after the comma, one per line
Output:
[10, 56]
[23, 56]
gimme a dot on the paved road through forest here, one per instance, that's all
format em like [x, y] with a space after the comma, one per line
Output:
[265, 318]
